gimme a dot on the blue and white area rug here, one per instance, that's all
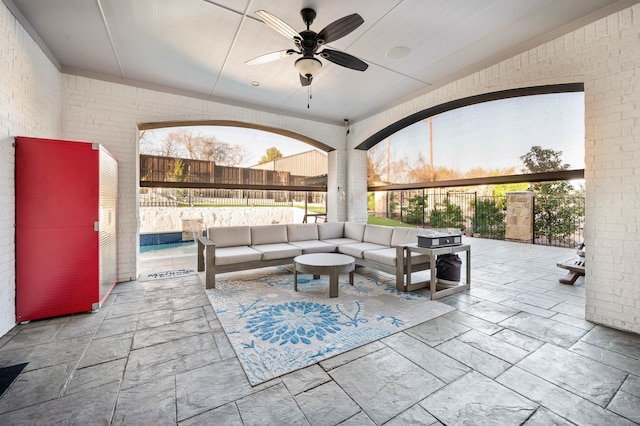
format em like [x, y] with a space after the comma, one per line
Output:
[275, 330]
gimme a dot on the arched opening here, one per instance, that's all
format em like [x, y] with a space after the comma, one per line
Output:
[459, 159]
[197, 174]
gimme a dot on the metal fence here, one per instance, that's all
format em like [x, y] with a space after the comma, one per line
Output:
[557, 221]
[193, 197]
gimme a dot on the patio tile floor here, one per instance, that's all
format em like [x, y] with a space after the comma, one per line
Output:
[517, 351]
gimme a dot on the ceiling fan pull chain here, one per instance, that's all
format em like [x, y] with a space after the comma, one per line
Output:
[308, 95]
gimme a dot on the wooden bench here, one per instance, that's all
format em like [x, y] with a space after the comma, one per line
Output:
[574, 266]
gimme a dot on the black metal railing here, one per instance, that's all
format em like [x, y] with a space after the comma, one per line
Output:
[207, 197]
[558, 221]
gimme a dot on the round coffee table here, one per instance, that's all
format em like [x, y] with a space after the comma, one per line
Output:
[332, 264]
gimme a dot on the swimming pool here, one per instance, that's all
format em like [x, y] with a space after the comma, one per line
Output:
[188, 248]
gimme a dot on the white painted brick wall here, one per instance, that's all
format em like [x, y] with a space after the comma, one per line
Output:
[108, 113]
[357, 186]
[29, 105]
[336, 184]
[605, 56]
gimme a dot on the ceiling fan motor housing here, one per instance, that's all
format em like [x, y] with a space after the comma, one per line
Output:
[308, 16]
[309, 43]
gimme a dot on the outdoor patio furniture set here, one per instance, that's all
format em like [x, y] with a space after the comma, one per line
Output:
[237, 248]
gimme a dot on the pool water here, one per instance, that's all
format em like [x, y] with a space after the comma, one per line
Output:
[188, 248]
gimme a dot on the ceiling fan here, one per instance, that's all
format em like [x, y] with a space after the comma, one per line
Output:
[308, 42]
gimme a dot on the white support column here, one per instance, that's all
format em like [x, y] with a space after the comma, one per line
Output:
[357, 186]
[336, 185]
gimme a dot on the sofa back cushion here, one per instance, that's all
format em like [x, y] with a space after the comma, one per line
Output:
[302, 232]
[268, 234]
[229, 236]
[353, 230]
[330, 230]
[378, 234]
[404, 236]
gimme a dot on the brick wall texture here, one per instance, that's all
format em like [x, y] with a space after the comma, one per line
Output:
[604, 55]
[37, 100]
[30, 94]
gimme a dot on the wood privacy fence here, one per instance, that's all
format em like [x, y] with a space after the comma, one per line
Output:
[155, 168]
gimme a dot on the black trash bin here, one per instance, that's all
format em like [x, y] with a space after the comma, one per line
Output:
[448, 270]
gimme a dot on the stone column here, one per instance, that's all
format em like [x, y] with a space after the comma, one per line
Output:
[519, 216]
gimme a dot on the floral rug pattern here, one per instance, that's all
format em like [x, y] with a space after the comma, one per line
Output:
[275, 330]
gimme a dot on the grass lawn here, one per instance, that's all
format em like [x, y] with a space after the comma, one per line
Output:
[373, 220]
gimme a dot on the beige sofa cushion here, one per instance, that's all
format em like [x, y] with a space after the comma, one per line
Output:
[355, 231]
[229, 236]
[277, 251]
[377, 234]
[302, 232]
[234, 255]
[387, 256]
[330, 230]
[357, 249]
[314, 246]
[404, 236]
[341, 241]
[268, 234]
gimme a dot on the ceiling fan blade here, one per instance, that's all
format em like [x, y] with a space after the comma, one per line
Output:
[304, 80]
[344, 59]
[340, 28]
[269, 57]
[277, 24]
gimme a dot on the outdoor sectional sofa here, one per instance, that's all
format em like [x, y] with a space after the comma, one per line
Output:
[238, 248]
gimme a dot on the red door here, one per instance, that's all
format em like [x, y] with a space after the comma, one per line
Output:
[57, 247]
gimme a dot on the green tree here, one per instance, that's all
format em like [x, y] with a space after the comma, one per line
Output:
[272, 153]
[177, 175]
[447, 215]
[178, 170]
[371, 201]
[557, 212]
[414, 212]
[540, 160]
[393, 203]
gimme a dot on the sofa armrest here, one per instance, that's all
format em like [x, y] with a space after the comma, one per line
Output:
[400, 254]
[207, 264]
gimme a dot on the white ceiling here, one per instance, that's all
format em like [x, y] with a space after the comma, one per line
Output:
[198, 47]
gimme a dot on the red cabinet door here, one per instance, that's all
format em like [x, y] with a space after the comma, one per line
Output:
[57, 245]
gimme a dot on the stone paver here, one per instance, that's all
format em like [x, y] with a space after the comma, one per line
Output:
[384, 383]
[475, 399]
[517, 350]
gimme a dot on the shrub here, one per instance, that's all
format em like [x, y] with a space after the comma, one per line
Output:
[447, 215]
[414, 212]
[557, 219]
[488, 219]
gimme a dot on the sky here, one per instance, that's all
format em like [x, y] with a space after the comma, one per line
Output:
[491, 135]
[256, 142]
[494, 135]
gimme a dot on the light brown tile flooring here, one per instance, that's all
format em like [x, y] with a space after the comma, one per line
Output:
[516, 351]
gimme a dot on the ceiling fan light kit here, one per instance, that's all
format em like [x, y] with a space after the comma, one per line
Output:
[308, 42]
[308, 67]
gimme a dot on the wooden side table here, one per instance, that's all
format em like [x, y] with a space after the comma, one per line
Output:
[433, 254]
